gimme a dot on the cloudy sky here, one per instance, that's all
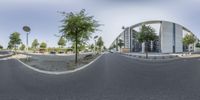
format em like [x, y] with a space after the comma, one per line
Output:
[42, 16]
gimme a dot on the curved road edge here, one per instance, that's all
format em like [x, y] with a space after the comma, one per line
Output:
[58, 73]
[6, 55]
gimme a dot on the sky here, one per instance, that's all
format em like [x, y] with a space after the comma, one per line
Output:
[44, 20]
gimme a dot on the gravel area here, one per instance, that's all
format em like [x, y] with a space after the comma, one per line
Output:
[57, 63]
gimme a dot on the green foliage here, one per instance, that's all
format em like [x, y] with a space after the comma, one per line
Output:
[100, 43]
[114, 46]
[43, 45]
[78, 25]
[22, 47]
[77, 28]
[188, 39]
[58, 49]
[69, 50]
[62, 42]
[10, 46]
[104, 48]
[146, 34]
[1, 47]
[198, 45]
[79, 46]
[110, 48]
[14, 40]
[91, 47]
[35, 44]
[120, 43]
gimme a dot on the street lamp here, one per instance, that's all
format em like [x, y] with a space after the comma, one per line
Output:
[123, 27]
[27, 29]
[95, 37]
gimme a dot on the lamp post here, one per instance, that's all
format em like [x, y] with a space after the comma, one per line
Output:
[124, 34]
[95, 37]
[27, 30]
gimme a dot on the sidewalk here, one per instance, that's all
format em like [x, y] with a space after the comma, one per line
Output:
[161, 56]
[152, 55]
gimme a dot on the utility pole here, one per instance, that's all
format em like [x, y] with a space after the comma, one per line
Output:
[95, 37]
[27, 29]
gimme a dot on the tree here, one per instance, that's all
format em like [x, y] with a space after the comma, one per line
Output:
[78, 27]
[22, 47]
[62, 42]
[120, 44]
[79, 46]
[1, 47]
[114, 46]
[91, 47]
[100, 43]
[104, 48]
[35, 44]
[146, 35]
[198, 45]
[188, 39]
[43, 45]
[14, 40]
[10, 46]
[110, 48]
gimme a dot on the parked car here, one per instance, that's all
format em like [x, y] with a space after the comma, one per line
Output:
[52, 52]
[61, 52]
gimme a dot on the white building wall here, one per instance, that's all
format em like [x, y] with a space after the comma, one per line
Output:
[166, 36]
[143, 47]
[195, 48]
[127, 38]
[178, 38]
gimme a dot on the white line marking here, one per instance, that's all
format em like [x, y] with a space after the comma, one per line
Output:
[58, 73]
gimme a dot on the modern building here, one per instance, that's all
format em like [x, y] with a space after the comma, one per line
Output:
[169, 39]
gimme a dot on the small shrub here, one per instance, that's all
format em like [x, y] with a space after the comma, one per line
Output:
[198, 45]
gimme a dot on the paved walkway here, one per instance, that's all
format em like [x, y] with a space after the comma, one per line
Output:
[161, 56]
[152, 55]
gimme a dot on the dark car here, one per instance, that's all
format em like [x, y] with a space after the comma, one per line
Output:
[52, 52]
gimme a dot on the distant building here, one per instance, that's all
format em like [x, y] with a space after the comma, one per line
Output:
[169, 38]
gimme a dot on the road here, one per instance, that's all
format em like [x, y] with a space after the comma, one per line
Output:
[111, 77]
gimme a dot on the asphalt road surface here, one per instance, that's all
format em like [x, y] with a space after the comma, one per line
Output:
[112, 77]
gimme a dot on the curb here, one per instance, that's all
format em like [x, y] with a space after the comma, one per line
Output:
[152, 59]
[58, 73]
[4, 56]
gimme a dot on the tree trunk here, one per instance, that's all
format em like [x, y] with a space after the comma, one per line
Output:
[146, 54]
[193, 47]
[15, 48]
[76, 57]
[146, 50]
[188, 49]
